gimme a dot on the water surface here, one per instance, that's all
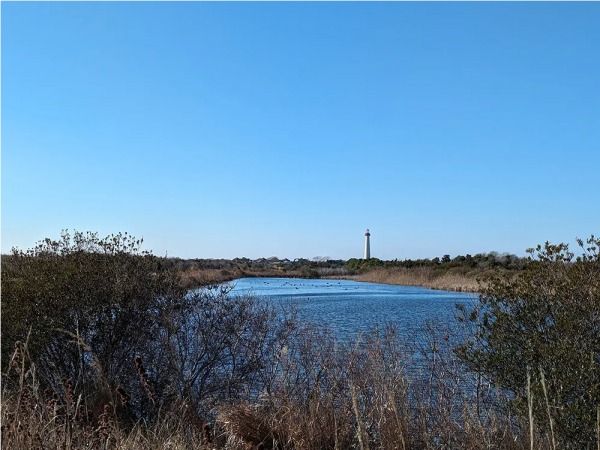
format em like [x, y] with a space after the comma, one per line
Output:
[349, 307]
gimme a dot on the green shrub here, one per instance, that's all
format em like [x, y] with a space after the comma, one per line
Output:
[98, 289]
[543, 324]
[101, 319]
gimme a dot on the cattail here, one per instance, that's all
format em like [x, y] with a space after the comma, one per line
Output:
[68, 386]
[123, 396]
[26, 396]
[104, 422]
[206, 434]
[144, 377]
[52, 400]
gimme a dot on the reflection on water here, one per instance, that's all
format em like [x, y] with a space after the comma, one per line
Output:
[348, 307]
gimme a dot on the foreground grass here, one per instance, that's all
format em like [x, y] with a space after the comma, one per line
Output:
[362, 401]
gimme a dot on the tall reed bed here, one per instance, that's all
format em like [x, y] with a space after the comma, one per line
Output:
[459, 280]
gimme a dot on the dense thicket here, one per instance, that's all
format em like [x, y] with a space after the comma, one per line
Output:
[101, 319]
[103, 292]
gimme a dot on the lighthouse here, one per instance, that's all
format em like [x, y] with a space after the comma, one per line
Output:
[367, 244]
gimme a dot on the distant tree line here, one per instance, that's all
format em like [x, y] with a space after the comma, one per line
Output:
[313, 269]
[479, 261]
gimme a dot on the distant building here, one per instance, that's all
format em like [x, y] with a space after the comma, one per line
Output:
[367, 244]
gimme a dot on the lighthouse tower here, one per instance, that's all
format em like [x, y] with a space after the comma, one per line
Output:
[367, 244]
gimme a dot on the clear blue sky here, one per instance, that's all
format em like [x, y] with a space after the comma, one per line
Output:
[223, 130]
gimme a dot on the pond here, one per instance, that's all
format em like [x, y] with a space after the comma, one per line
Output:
[350, 307]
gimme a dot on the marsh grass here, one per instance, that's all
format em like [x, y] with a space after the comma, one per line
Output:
[465, 281]
[324, 396]
[452, 280]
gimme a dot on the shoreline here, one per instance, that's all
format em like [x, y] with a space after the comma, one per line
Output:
[444, 282]
[365, 279]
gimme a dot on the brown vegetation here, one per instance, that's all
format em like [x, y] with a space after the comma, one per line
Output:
[357, 397]
[469, 281]
[192, 278]
[461, 273]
